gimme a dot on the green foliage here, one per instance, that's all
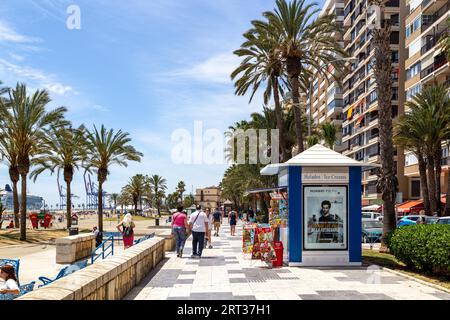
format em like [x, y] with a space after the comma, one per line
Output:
[312, 141]
[188, 201]
[423, 247]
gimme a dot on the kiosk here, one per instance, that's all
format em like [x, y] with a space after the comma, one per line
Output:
[323, 226]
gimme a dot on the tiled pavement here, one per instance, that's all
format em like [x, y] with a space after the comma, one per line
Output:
[223, 273]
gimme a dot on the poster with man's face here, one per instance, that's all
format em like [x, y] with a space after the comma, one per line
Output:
[325, 218]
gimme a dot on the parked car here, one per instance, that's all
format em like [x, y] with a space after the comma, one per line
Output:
[410, 220]
[370, 215]
[444, 220]
[372, 230]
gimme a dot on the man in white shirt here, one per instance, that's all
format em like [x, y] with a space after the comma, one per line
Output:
[198, 222]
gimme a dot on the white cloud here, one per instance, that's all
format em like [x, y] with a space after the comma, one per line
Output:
[216, 69]
[100, 108]
[33, 77]
[16, 57]
[8, 34]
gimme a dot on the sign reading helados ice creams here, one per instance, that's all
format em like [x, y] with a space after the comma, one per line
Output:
[325, 175]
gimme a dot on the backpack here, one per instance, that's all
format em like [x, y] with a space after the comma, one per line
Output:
[127, 231]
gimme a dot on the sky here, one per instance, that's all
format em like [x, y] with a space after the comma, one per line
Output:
[147, 67]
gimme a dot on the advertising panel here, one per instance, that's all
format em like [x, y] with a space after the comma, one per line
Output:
[325, 217]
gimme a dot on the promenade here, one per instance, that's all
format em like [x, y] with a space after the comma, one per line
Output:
[223, 273]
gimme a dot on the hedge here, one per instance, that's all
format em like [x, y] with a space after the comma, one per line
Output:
[423, 247]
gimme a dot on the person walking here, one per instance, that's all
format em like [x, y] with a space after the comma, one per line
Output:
[198, 223]
[208, 243]
[217, 221]
[232, 218]
[179, 229]
[127, 230]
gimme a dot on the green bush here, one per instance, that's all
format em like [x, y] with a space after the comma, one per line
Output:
[423, 247]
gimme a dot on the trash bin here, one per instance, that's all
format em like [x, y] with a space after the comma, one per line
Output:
[73, 231]
[278, 247]
[156, 221]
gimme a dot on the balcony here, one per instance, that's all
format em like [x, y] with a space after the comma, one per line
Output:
[438, 63]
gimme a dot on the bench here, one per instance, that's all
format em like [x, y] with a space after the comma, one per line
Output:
[23, 290]
[63, 272]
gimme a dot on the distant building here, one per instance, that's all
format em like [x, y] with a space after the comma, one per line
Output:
[209, 197]
[33, 202]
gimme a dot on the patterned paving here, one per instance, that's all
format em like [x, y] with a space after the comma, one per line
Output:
[223, 273]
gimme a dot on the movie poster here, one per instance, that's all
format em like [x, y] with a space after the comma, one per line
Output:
[325, 218]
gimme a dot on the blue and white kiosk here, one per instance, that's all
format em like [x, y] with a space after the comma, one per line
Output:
[324, 208]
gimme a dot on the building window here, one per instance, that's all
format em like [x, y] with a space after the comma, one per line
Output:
[413, 26]
[411, 159]
[413, 91]
[415, 69]
[415, 189]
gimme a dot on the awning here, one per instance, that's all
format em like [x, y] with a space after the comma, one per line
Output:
[349, 112]
[411, 206]
[265, 190]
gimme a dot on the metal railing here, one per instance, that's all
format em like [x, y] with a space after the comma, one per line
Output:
[104, 248]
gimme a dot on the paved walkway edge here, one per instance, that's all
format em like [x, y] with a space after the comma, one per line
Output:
[435, 286]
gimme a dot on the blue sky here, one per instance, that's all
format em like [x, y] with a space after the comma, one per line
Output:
[147, 67]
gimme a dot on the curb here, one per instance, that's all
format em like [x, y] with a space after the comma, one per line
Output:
[435, 286]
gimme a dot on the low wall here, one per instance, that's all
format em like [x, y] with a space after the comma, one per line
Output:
[74, 248]
[110, 279]
[169, 244]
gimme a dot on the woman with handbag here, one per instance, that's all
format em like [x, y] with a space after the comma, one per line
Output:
[127, 231]
[180, 229]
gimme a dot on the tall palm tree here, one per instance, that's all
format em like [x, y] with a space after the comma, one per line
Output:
[26, 123]
[159, 186]
[306, 45]
[329, 133]
[181, 188]
[8, 152]
[262, 65]
[106, 148]
[66, 151]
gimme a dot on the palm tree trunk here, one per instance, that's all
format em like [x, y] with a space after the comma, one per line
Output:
[447, 198]
[279, 116]
[100, 206]
[293, 67]
[16, 204]
[424, 183]
[431, 183]
[23, 208]
[383, 69]
[69, 205]
[438, 171]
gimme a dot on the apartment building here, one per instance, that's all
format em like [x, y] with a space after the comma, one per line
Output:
[360, 126]
[426, 64]
[325, 101]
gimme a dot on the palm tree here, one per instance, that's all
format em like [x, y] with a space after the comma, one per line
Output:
[136, 188]
[305, 46]
[262, 65]
[158, 186]
[26, 122]
[8, 152]
[2, 210]
[181, 188]
[66, 151]
[312, 141]
[329, 133]
[107, 148]
[409, 135]
[113, 197]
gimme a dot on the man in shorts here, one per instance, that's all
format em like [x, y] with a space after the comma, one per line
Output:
[217, 220]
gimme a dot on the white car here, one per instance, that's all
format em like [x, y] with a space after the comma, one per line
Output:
[370, 215]
[444, 220]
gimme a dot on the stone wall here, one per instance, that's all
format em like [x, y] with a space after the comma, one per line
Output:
[74, 248]
[110, 279]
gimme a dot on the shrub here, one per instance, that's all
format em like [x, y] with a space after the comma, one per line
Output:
[423, 247]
